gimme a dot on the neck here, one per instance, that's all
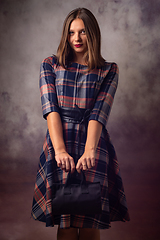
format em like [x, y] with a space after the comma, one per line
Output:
[79, 58]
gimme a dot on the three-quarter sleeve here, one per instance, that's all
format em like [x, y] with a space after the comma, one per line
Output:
[104, 100]
[47, 87]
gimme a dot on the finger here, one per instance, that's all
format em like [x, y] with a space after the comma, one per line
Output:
[93, 162]
[89, 163]
[72, 165]
[84, 164]
[84, 167]
[78, 170]
[59, 163]
[79, 167]
[63, 165]
[67, 165]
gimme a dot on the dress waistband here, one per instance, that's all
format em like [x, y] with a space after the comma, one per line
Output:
[74, 115]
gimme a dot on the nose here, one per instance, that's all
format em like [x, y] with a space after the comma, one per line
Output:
[77, 37]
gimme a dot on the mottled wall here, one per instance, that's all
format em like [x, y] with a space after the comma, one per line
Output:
[30, 31]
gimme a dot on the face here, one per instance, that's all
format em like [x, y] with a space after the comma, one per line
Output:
[77, 37]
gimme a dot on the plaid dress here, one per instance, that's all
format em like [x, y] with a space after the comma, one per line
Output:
[88, 90]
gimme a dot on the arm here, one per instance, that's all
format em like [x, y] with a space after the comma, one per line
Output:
[64, 160]
[87, 160]
[99, 117]
[51, 113]
[105, 97]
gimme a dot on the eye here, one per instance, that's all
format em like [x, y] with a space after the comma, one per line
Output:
[83, 31]
[71, 32]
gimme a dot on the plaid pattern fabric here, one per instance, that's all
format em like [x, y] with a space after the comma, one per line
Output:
[94, 89]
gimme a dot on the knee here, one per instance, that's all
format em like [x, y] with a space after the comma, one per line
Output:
[89, 233]
[69, 233]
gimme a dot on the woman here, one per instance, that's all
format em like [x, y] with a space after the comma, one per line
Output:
[77, 90]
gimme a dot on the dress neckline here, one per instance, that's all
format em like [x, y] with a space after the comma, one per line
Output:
[78, 64]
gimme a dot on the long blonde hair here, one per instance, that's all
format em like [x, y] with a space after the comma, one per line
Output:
[93, 56]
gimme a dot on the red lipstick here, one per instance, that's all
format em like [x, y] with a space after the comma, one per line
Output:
[78, 45]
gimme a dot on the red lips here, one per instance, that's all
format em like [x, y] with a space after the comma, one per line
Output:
[78, 45]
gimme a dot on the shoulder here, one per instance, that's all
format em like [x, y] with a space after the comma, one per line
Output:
[111, 66]
[51, 60]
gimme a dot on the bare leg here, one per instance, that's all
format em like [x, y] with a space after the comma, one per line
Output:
[89, 234]
[67, 234]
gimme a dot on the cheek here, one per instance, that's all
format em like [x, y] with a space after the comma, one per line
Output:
[70, 40]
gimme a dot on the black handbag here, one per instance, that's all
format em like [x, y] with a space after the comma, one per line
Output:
[76, 197]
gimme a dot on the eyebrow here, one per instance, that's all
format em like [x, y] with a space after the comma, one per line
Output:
[79, 30]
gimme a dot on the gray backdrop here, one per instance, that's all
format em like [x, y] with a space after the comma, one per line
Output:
[30, 31]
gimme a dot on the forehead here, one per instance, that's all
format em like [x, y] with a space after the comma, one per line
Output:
[77, 24]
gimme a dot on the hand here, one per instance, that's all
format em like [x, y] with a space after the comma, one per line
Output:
[86, 161]
[65, 161]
